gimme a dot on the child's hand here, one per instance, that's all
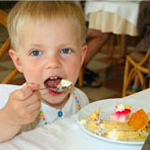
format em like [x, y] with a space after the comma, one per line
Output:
[23, 105]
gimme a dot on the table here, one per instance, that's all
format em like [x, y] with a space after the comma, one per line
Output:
[66, 135]
[114, 17]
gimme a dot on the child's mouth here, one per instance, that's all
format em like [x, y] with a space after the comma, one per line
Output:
[57, 84]
[52, 82]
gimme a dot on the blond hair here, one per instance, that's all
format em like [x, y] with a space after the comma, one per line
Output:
[32, 10]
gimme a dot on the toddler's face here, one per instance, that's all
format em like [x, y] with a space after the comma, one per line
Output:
[48, 51]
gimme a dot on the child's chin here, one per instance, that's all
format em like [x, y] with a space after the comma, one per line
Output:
[56, 99]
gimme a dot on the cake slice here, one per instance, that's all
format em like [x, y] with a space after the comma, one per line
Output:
[121, 113]
[93, 120]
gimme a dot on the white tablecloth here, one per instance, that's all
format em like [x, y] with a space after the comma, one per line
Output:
[62, 135]
[117, 17]
[66, 135]
[127, 9]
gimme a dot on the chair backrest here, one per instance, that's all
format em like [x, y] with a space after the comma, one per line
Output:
[5, 47]
[6, 44]
[3, 17]
[140, 68]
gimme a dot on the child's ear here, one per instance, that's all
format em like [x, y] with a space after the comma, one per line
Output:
[14, 56]
[83, 54]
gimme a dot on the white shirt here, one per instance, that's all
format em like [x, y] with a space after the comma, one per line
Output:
[51, 113]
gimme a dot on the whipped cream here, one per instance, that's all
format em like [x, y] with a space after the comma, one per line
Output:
[112, 134]
[64, 83]
[120, 107]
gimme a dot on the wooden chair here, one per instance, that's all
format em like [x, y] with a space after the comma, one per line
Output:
[133, 68]
[5, 47]
[80, 78]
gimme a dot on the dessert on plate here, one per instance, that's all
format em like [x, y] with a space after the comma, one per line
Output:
[121, 113]
[123, 124]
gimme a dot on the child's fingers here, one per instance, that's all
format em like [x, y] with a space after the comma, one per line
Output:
[33, 86]
[26, 92]
[35, 97]
[32, 111]
[35, 114]
[34, 107]
[24, 104]
[30, 88]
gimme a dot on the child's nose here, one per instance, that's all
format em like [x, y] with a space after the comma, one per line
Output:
[52, 62]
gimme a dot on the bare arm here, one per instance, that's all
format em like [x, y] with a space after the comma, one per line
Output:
[22, 108]
[7, 128]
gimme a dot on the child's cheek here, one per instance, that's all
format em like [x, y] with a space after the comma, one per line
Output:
[33, 74]
[73, 71]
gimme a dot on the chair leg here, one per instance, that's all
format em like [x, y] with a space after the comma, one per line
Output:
[81, 77]
[142, 80]
[126, 72]
[112, 47]
[119, 44]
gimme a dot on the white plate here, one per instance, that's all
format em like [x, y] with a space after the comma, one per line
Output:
[106, 107]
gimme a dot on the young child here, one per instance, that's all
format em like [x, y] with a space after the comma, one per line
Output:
[48, 45]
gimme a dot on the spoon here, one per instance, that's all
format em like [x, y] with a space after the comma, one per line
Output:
[61, 87]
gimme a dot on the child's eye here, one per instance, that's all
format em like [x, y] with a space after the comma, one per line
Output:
[36, 53]
[66, 51]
